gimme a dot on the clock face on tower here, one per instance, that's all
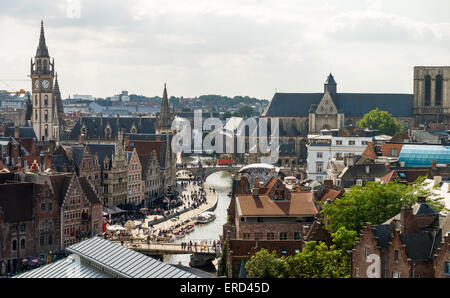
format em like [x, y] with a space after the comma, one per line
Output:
[36, 84]
[45, 84]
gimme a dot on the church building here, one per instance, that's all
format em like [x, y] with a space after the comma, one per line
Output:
[301, 114]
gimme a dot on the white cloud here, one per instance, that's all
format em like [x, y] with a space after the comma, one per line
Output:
[226, 47]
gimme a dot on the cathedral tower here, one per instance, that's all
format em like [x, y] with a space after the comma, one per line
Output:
[164, 123]
[432, 94]
[42, 76]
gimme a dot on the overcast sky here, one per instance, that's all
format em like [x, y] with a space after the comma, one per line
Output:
[226, 47]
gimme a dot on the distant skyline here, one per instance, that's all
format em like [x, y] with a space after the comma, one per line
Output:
[227, 47]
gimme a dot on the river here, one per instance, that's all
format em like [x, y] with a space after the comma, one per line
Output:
[221, 181]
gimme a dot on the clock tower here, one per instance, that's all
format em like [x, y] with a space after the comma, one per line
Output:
[42, 78]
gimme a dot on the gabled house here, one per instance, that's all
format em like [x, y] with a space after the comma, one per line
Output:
[413, 244]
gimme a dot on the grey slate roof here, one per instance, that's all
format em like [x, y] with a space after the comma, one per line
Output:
[420, 246]
[88, 191]
[24, 132]
[60, 161]
[352, 104]
[359, 171]
[96, 126]
[425, 210]
[102, 150]
[42, 50]
[383, 234]
[330, 80]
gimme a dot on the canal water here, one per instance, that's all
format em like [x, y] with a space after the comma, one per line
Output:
[222, 182]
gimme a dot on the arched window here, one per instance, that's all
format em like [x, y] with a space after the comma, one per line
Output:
[427, 90]
[46, 100]
[438, 90]
[46, 130]
[36, 115]
[45, 65]
[35, 100]
[46, 115]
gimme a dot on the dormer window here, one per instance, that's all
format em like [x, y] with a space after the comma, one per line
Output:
[108, 131]
[84, 130]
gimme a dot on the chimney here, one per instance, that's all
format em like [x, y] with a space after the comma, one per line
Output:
[256, 182]
[437, 180]
[47, 160]
[255, 189]
[421, 200]
[16, 132]
[255, 192]
[406, 219]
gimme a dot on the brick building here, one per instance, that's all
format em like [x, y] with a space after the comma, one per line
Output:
[136, 185]
[413, 244]
[29, 222]
[266, 215]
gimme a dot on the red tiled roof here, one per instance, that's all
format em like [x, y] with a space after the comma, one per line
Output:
[300, 204]
[389, 177]
[369, 152]
[331, 194]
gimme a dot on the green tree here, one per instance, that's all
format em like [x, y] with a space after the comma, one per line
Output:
[375, 203]
[226, 115]
[266, 265]
[344, 239]
[246, 111]
[381, 120]
[222, 268]
[317, 260]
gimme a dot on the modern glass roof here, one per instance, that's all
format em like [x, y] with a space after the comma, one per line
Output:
[423, 155]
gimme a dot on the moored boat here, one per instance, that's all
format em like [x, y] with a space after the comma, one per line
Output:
[206, 217]
[190, 228]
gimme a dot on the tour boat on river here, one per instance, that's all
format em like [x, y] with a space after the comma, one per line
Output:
[206, 217]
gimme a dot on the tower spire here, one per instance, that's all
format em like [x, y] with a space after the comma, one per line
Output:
[164, 117]
[42, 50]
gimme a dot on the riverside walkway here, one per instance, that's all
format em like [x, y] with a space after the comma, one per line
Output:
[210, 204]
[173, 248]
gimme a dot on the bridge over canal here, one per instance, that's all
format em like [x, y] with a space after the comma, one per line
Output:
[201, 254]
